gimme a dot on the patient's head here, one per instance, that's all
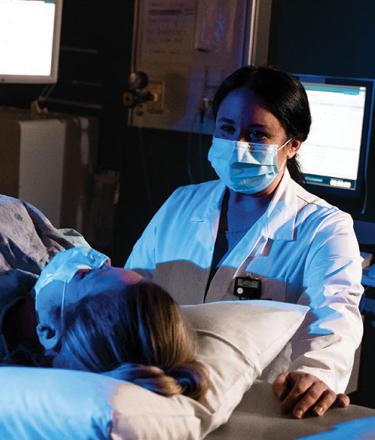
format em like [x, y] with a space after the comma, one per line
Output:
[110, 320]
[72, 275]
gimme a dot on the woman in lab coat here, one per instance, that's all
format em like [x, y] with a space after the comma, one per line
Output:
[256, 232]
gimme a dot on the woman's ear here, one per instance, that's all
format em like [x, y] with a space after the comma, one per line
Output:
[293, 147]
[49, 337]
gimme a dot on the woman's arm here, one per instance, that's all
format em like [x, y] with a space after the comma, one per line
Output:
[323, 349]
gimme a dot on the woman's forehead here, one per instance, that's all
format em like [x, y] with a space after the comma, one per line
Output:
[105, 277]
[242, 106]
[126, 275]
[241, 103]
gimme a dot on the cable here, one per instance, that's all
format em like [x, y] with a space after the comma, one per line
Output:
[145, 171]
[39, 105]
[200, 116]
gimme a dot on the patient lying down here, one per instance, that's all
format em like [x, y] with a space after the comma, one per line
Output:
[95, 317]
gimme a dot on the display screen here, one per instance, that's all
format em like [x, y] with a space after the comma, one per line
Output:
[29, 37]
[331, 154]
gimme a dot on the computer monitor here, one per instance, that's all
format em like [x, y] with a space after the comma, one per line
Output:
[29, 40]
[334, 157]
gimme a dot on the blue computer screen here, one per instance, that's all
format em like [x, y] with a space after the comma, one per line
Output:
[331, 156]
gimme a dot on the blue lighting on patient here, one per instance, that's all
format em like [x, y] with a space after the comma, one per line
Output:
[360, 429]
[66, 264]
[71, 276]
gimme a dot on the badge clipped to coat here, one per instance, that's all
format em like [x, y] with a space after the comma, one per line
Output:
[248, 287]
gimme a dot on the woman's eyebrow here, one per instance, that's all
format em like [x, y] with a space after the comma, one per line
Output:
[255, 125]
[229, 121]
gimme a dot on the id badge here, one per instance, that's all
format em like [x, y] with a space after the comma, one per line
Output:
[249, 287]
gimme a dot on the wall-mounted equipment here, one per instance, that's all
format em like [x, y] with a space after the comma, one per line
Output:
[141, 94]
[187, 47]
[29, 40]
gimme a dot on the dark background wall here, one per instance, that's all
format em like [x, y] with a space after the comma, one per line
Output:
[320, 37]
[333, 37]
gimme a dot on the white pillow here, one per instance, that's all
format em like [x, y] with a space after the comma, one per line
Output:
[236, 340]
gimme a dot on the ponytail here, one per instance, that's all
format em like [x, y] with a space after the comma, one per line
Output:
[189, 379]
[294, 169]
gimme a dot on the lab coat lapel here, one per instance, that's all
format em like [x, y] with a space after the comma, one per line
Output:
[250, 246]
[209, 217]
[277, 223]
[280, 217]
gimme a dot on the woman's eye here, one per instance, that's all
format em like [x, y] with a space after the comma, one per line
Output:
[227, 129]
[257, 136]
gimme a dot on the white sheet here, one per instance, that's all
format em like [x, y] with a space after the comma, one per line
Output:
[258, 417]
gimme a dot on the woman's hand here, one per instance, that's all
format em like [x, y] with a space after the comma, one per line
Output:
[302, 392]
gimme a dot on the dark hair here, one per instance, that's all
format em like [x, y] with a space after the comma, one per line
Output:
[137, 334]
[282, 95]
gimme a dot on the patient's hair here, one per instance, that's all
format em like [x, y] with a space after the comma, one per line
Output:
[137, 334]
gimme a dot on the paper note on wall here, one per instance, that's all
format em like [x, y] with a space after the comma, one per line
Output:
[215, 25]
[167, 32]
[188, 47]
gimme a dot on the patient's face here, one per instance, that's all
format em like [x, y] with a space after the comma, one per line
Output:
[103, 279]
[90, 282]
[85, 282]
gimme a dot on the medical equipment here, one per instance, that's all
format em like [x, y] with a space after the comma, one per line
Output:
[30, 41]
[335, 157]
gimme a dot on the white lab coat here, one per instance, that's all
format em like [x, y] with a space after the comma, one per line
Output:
[303, 249]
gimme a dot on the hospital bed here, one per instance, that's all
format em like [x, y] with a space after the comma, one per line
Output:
[258, 417]
[235, 341]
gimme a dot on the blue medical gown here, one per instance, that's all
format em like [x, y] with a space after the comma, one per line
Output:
[28, 241]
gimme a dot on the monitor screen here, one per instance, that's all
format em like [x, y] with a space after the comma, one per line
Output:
[333, 157]
[29, 40]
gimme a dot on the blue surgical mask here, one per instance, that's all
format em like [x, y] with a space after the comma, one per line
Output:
[62, 268]
[245, 167]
